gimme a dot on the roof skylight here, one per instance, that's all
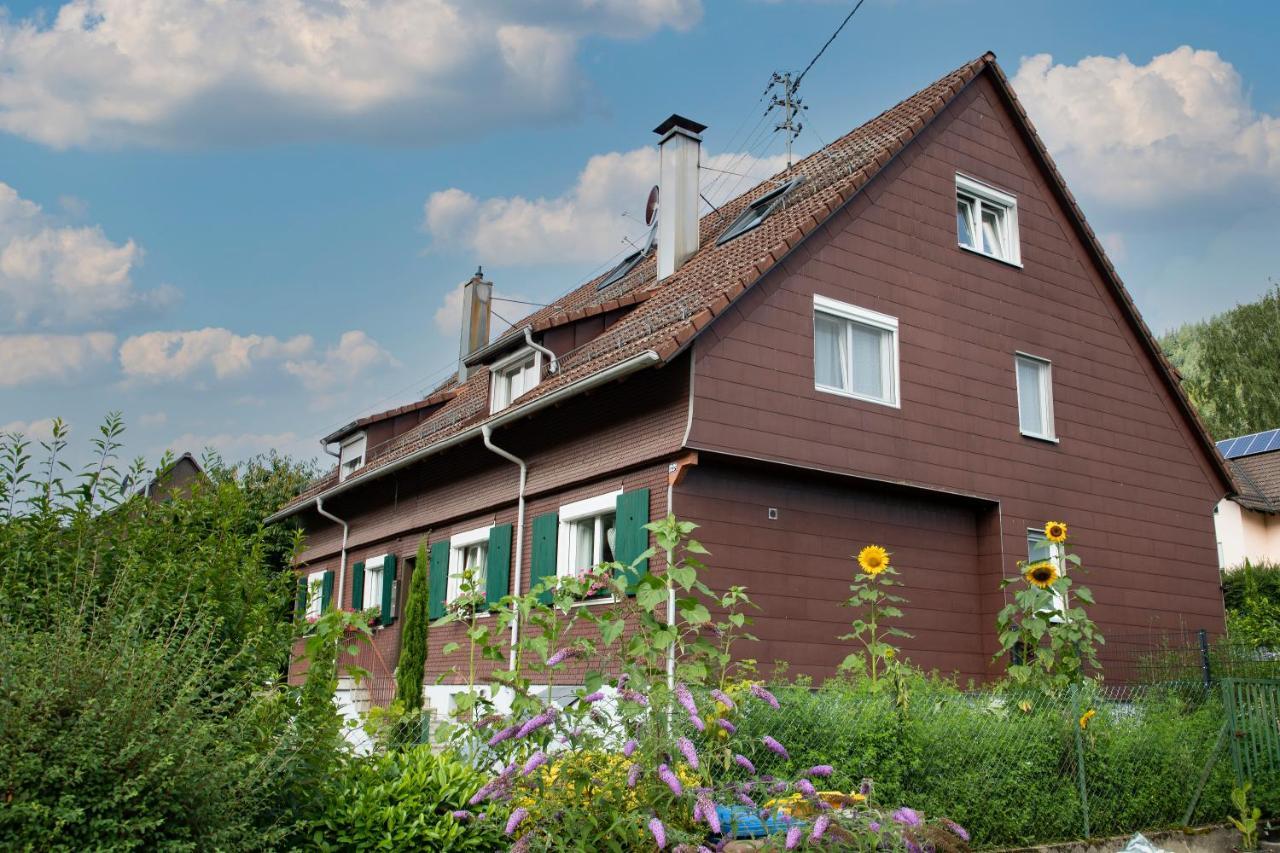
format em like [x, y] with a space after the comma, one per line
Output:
[758, 211]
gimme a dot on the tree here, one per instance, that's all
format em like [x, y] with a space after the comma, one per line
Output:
[413, 646]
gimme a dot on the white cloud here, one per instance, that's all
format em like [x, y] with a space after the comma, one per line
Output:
[38, 430]
[58, 274]
[584, 224]
[355, 355]
[41, 358]
[164, 72]
[163, 356]
[1141, 135]
[153, 419]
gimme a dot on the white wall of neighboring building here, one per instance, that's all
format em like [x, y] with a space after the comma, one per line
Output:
[1244, 534]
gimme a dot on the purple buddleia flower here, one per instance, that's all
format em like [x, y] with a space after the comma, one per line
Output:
[764, 696]
[523, 843]
[873, 826]
[819, 827]
[912, 847]
[865, 788]
[745, 800]
[805, 787]
[685, 698]
[709, 812]
[593, 697]
[793, 836]
[686, 749]
[517, 817]
[659, 832]
[823, 770]
[745, 763]
[671, 780]
[535, 761]
[774, 746]
[697, 723]
[462, 814]
[559, 657]
[483, 794]
[726, 725]
[959, 831]
[633, 696]
[534, 723]
[723, 698]
[777, 787]
[633, 775]
[697, 811]
[906, 816]
[629, 748]
[506, 734]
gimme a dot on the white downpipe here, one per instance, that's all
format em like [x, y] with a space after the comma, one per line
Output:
[671, 606]
[486, 431]
[342, 563]
[553, 366]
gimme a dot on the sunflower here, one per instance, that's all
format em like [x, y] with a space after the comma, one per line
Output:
[1088, 715]
[1041, 574]
[873, 559]
[1056, 531]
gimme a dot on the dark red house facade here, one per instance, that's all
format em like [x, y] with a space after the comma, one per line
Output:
[912, 338]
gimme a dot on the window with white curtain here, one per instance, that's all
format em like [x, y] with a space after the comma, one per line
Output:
[587, 534]
[315, 594]
[1035, 396]
[987, 220]
[513, 377]
[469, 550]
[373, 581]
[855, 351]
[351, 455]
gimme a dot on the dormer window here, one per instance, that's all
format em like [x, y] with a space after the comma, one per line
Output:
[987, 220]
[351, 455]
[758, 211]
[514, 376]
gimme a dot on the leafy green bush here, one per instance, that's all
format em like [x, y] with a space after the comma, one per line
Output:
[1252, 596]
[402, 800]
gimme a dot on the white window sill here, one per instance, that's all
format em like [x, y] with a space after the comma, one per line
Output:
[1049, 438]
[592, 602]
[852, 396]
[982, 254]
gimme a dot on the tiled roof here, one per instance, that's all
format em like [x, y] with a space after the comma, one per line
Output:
[668, 315]
[1258, 478]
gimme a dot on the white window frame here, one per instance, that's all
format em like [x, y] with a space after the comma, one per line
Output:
[889, 367]
[1046, 395]
[1057, 557]
[980, 195]
[315, 594]
[571, 514]
[347, 452]
[500, 375]
[373, 582]
[459, 544]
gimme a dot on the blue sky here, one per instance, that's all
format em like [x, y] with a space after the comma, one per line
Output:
[240, 224]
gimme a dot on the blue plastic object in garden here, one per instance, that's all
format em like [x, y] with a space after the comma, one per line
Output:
[746, 823]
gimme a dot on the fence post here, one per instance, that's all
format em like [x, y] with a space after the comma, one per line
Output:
[1206, 673]
[1080, 771]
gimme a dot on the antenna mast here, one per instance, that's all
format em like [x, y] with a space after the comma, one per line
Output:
[783, 89]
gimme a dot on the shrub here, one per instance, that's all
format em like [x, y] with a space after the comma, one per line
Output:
[402, 800]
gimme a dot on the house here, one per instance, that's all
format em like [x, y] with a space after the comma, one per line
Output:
[910, 338]
[1248, 523]
[177, 478]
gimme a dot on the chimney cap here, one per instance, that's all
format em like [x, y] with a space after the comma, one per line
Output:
[677, 121]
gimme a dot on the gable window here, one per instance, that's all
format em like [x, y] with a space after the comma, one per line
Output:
[468, 551]
[1035, 396]
[758, 211]
[855, 351]
[315, 595]
[373, 581]
[514, 376]
[588, 531]
[351, 455]
[1041, 550]
[987, 220]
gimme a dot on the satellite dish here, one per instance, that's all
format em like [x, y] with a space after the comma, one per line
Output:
[651, 206]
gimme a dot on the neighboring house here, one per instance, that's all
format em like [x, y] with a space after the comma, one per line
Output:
[1248, 523]
[910, 338]
[176, 479]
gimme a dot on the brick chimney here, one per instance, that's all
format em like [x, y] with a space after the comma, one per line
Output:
[477, 302]
[678, 199]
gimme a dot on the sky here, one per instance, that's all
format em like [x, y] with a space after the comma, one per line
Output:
[244, 224]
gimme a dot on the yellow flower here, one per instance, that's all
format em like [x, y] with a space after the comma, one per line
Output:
[1056, 531]
[1024, 706]
[889, 654]
[1088, 715]
[1041, 574]
[873, 559]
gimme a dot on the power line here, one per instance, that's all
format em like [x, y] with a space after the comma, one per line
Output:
[818, 55]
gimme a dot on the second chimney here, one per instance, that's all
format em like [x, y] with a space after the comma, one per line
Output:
[678, 197]
[477, 300]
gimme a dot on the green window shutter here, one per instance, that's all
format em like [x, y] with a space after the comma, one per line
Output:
[498, 565]
[543, 555]
[302, 596]
[388, 589]
[326, 591]
[630, 538]
[439, 580]
[357, 586]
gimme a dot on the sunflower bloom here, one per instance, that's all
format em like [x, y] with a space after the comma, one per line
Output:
[873, 559]
[1056, 531]
[1088, 715]
[1041, 574]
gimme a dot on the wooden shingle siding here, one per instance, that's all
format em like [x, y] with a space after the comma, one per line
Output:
[1128, 475]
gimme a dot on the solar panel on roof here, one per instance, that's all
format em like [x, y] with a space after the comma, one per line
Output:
[1248, 445]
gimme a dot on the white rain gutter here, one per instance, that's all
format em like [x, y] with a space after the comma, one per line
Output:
[554, 366]
[342, 564]
[594, 380]
[486, 432]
